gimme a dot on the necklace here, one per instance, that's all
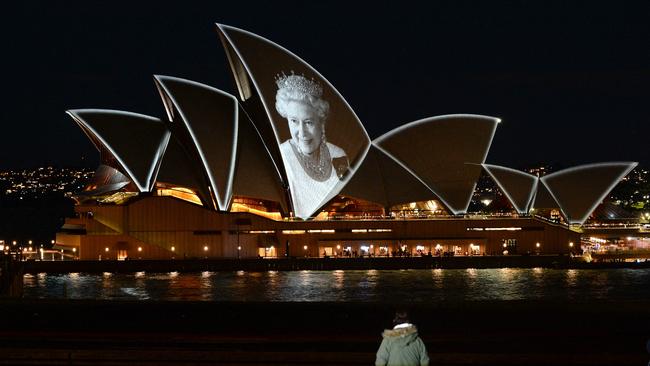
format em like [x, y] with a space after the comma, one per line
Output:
[317, 167]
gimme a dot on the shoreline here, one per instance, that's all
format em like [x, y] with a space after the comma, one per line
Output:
[324, 264]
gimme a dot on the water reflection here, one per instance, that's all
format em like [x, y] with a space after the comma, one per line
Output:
[339, 278]
[571, 277]
[455, 285]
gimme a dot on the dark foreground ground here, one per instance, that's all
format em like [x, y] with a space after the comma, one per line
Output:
[68, 332]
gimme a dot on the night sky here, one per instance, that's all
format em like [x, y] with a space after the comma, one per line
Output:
[570, 80]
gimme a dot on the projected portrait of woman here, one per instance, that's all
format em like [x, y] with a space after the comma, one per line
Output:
[314, 166]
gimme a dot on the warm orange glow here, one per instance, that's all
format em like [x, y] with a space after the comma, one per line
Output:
[293, 232]
[182, 193]
[240, 207]
[139, 249]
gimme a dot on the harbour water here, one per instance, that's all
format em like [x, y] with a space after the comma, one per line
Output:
[437, 285]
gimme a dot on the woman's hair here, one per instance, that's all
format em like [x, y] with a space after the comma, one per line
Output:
[401, 316]
[297, 88]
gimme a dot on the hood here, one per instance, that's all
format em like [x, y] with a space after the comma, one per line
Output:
[405, 334]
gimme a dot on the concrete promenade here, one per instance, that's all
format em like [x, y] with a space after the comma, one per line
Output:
[67, 332]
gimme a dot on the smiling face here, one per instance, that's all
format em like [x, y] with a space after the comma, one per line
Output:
[305, 126]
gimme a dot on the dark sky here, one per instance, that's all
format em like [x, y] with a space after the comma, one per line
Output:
[570, 79]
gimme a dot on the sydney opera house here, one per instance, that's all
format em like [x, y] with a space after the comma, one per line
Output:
[286, 168]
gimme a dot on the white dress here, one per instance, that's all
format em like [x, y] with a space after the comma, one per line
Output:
[307, 194]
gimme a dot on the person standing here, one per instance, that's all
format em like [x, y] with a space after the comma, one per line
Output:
[401, 345]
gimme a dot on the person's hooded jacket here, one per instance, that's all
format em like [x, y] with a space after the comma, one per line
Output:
[401, 346]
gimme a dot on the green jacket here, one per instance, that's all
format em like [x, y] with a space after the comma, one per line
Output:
[401, 346]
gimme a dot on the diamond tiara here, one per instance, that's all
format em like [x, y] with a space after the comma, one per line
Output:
[299, 83]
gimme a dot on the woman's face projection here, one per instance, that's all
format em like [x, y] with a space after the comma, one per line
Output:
[305, 126]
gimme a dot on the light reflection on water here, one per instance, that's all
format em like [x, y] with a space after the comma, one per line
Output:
[455, 285]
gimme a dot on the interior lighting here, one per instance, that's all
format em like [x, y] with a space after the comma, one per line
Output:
[502, 228]
[293, 232]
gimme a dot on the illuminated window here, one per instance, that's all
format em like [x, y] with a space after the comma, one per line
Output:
[293, 232]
